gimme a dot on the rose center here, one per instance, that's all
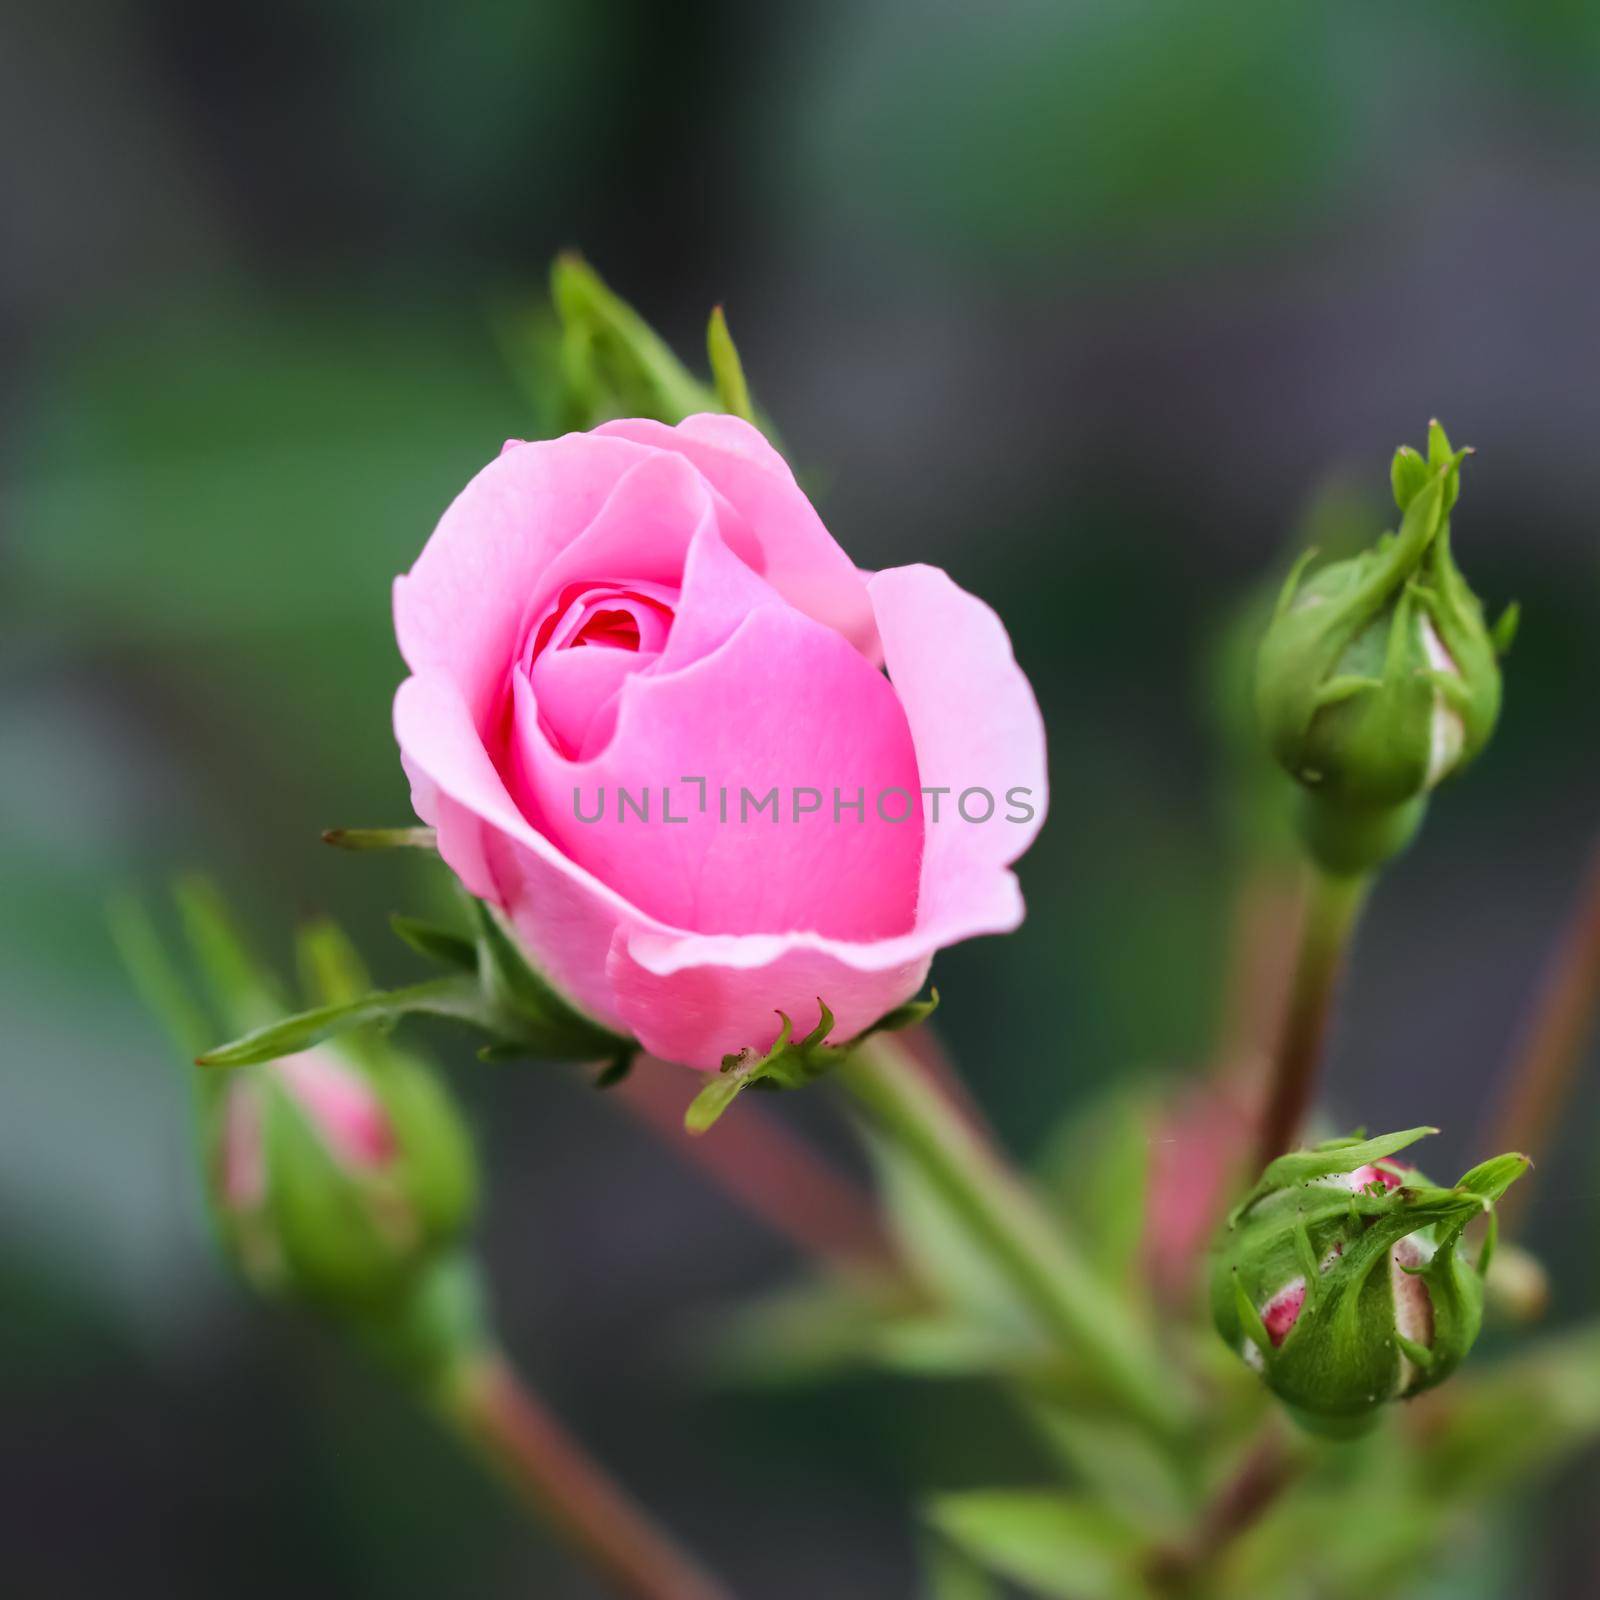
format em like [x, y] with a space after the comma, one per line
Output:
[591, 639]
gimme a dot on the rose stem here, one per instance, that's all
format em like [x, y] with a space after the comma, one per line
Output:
[1006, 1219]
[1263, 933]
[1544, 1065]
[1267, 1470]
[490, 1407]
[772, 1173]
[1332, 908]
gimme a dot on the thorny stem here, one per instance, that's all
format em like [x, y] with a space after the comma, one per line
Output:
[490, 1407]
[1333, 906]
[1544, 1067]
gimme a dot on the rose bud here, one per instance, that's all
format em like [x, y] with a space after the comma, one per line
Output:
[1342, 1281]
[708, 769]
[1377, 677]
[333, 1177]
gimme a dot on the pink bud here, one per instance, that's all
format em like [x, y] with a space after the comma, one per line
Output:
[343, 1107]
[1282, 1311]
[244, 1172]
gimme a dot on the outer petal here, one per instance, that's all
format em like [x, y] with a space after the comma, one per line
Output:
[703, 1013]
[458, 611]
[564, 919]
[974, 720]
[799, 556]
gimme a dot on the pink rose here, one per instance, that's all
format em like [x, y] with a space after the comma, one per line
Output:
[622, 644]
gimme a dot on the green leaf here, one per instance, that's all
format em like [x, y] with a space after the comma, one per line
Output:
[459, 998]
[536, 1015]
[428, 939]
[381, 838]
[242, 994]
[940, 1252]
[727, 371]
[1096, 1170]
[1119, 1463]
[331, 971]
[157, 980]
[948, 1573]
[1059, 1545]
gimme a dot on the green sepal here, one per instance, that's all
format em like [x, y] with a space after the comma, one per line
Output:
[1326, 1160]
[786, 1063]
[502, 995]
[905, 1016]
[727, 371]
[448, 948]
[157, 980]
[613, 361]
[790, 1063]
[458, 998]
[1504, 632]
[615, 1071]
[381, 838]
[536, 1015]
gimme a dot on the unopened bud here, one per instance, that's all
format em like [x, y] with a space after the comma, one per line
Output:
[334, 1177]
[1377, 677]
[1341, 1277]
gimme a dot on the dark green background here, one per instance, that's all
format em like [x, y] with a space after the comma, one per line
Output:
[1085, 301]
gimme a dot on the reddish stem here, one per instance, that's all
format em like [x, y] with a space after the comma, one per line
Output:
[1544, 1066]
[757, 1161]
[1331, 913]
[547, 1467]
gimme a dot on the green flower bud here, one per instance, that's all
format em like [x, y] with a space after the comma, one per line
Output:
[1377, 677]
[335, 1176]
[1341, 1277]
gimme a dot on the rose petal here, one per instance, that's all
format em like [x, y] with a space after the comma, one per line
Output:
[799, 557]
[731, 719]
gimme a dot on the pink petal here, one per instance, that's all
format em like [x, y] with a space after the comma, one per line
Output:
[1283, 1310]
[799, 557]
[460, 609]
[243, 1158]
[347, 1114]
[784, 705]
[575, 694]
[699, 1014]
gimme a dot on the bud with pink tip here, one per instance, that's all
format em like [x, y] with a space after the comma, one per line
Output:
[335, 1176]
[1341, 1280]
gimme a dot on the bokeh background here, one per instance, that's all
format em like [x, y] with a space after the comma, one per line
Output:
[1093, 302]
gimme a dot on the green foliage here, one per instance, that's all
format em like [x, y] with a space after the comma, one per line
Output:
[1059, 1545]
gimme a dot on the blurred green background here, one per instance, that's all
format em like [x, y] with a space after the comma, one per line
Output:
[1088, 301]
